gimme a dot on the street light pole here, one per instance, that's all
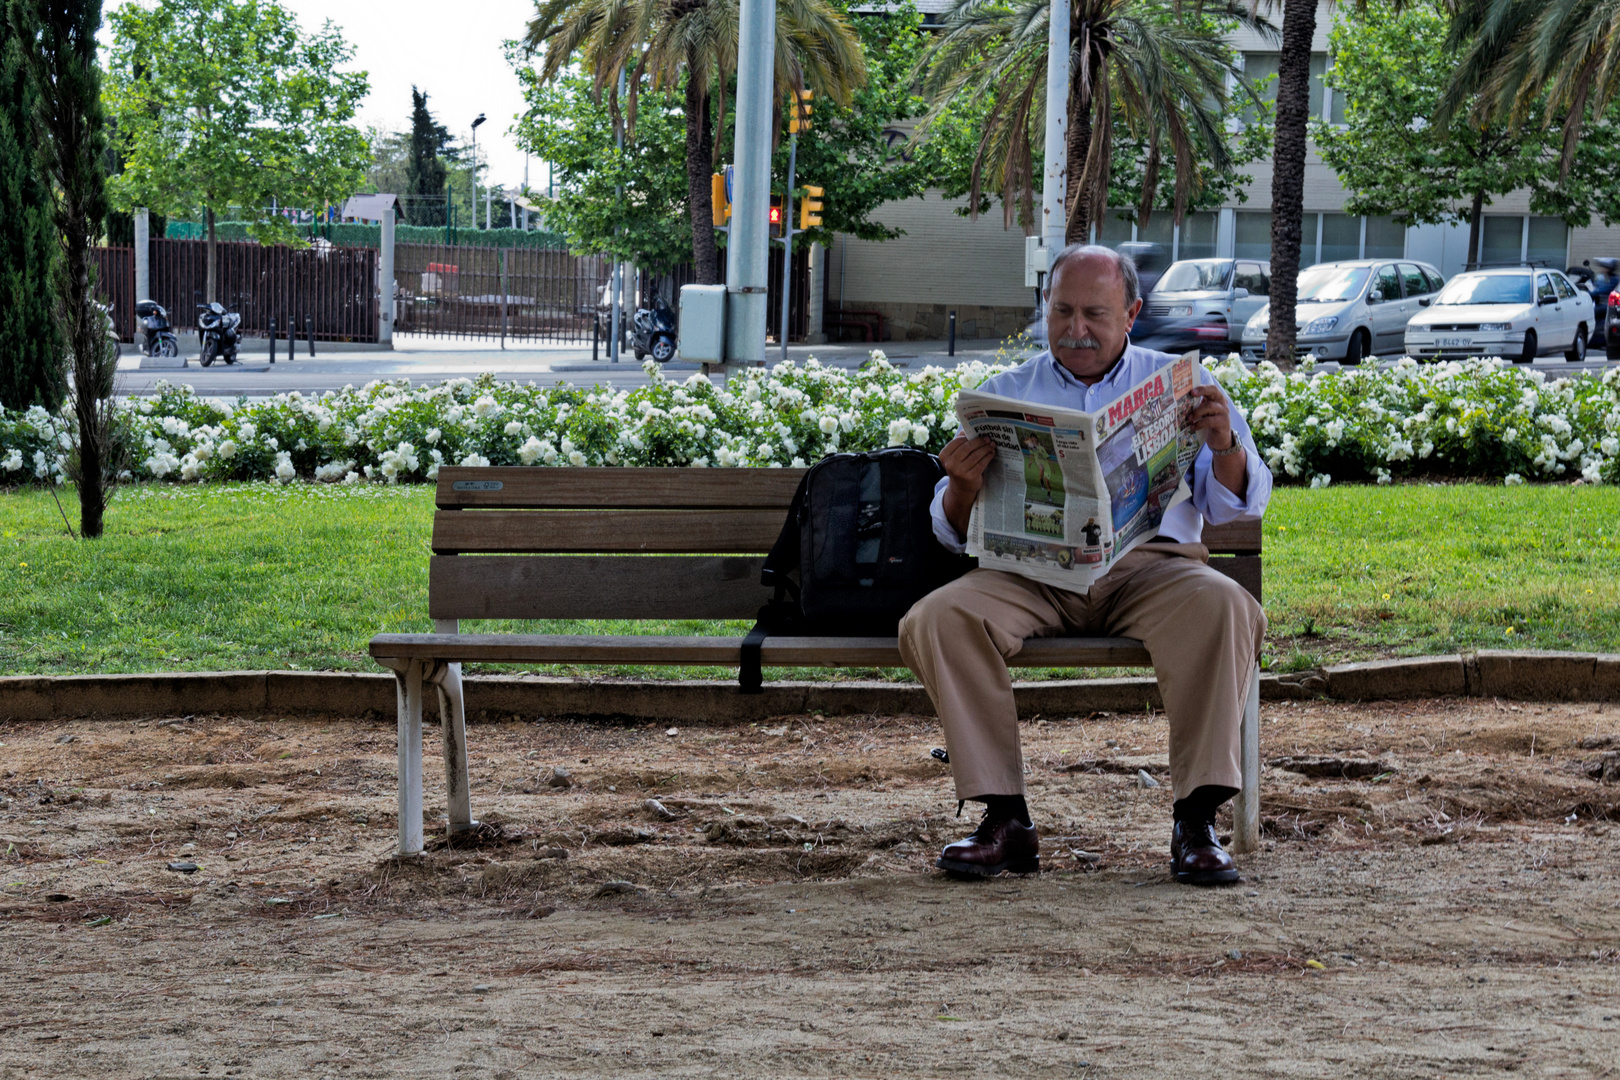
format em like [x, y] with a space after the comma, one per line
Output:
[1054, 189]
[748, 252]
[474, 206]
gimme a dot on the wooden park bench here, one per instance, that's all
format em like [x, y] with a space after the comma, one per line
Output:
[621, 543]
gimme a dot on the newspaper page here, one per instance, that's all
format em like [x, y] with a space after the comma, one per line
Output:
[1070, 492]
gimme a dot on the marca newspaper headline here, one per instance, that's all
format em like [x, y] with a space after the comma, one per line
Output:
[1070, 492]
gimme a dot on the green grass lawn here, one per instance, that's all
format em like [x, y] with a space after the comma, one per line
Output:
[248, 577]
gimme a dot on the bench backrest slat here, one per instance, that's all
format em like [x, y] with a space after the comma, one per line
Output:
[604, 531]
[590, 488]
[595, 587]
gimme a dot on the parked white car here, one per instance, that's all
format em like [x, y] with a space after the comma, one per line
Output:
[1350, 310]
[1520, 312]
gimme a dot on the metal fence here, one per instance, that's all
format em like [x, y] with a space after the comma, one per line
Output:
[331, 289]
[481, 292]
[115, 287]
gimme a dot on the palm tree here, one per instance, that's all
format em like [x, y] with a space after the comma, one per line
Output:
[1288, 174]
[660, 41]
[1164, 76]
[1555, 58]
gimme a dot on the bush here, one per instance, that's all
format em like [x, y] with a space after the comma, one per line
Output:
[1481, 418]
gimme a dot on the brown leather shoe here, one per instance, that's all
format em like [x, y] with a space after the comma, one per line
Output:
[1196, 855]
[994, 847]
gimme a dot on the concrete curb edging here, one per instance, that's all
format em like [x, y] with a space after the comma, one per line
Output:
[1521, 676]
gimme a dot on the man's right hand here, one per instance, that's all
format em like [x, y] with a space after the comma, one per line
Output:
[964, 461]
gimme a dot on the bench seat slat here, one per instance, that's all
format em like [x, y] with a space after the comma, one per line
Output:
[727, 651]
[604, 531]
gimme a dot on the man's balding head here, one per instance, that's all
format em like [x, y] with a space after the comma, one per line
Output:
[1092, 297]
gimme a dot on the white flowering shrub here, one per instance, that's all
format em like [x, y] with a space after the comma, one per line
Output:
[1476, 419]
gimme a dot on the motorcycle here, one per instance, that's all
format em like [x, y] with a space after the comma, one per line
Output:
[653, 331]
[157, 336]
[220, 332]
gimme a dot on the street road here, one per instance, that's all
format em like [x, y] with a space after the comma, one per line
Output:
[432, 361]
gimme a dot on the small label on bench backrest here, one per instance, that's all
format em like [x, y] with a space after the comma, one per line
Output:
[476, 485]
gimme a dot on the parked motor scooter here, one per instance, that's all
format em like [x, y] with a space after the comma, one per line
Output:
[653, 331]
[157, 336]
[220, 332]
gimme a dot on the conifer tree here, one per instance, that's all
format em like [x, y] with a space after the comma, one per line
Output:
[425, 168]
[31, 367]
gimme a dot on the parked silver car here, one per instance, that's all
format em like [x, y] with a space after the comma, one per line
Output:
[1352, 309]
[1202, 304]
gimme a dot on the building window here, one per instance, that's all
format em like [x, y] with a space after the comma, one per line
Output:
[1261, 68]
[1252, 239]
[1341, 237]
[1195, 239]
[1386, 239]
[1512, 238]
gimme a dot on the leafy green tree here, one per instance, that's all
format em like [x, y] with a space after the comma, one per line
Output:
[1399, 158]
[31, 371]
[626, 203]
[1161, 71]
[58, 47]
[230, 102]
[691, 45]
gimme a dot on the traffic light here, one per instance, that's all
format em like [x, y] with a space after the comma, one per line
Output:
[717, 196]
[799, 110]
[810, 208]
[776, 216]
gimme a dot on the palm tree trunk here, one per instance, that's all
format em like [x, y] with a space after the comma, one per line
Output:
[1078, 229]
[1476, 225]
[699, 168]
[1288, 176]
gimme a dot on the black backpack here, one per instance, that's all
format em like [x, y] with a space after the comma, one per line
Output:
[861, 541]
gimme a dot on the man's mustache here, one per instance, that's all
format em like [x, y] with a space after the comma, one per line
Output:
[1079, 343]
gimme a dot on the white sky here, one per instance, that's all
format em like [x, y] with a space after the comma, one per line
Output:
[451, 51]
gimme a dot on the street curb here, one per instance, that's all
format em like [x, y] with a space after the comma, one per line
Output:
[1519, 676]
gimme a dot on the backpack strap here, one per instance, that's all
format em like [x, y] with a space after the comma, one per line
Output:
[750, 677]
[782, 561]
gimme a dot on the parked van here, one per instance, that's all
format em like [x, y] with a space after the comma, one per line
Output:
[1202, 304]
[1352, 309]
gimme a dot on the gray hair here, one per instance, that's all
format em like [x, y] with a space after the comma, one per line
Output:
[1122, 262]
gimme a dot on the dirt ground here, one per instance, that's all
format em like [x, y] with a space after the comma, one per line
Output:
[1450, 908]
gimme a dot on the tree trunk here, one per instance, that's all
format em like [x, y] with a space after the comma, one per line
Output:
[1078, 228]
[699, 169]
[1288, 176]
[1476, 226]
[211, 285]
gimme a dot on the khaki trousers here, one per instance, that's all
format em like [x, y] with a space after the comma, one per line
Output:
[1203, 630]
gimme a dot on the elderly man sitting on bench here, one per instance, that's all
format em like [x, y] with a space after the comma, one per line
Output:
[1202, 629]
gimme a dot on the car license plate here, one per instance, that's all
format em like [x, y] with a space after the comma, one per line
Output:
[1455, 342]
[1181, 311]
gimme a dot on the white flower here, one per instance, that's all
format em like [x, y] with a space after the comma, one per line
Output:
[513, 427]
[433, 436]
[530, 451]
[828, 424]
[284, 467]
[899, 432]
[12, 461]
[473, 461]
[486, 407]
[1512, 478]
[1321, 480]
[247, 431]
[574, 458]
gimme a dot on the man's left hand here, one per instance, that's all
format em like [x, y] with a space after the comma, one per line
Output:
[1213, 416]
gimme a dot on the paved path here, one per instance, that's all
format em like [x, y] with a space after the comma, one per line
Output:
[436, 360]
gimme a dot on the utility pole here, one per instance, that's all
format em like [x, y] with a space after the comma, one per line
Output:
[1054, 189]
[798, 119]
[618, 267]
[749, 250]
[474, 206]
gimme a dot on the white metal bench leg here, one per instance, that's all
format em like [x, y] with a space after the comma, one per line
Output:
[453, 714]
[1246, 807]
[409, 686]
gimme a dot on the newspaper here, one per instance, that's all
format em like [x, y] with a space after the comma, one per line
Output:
[1071, 492]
